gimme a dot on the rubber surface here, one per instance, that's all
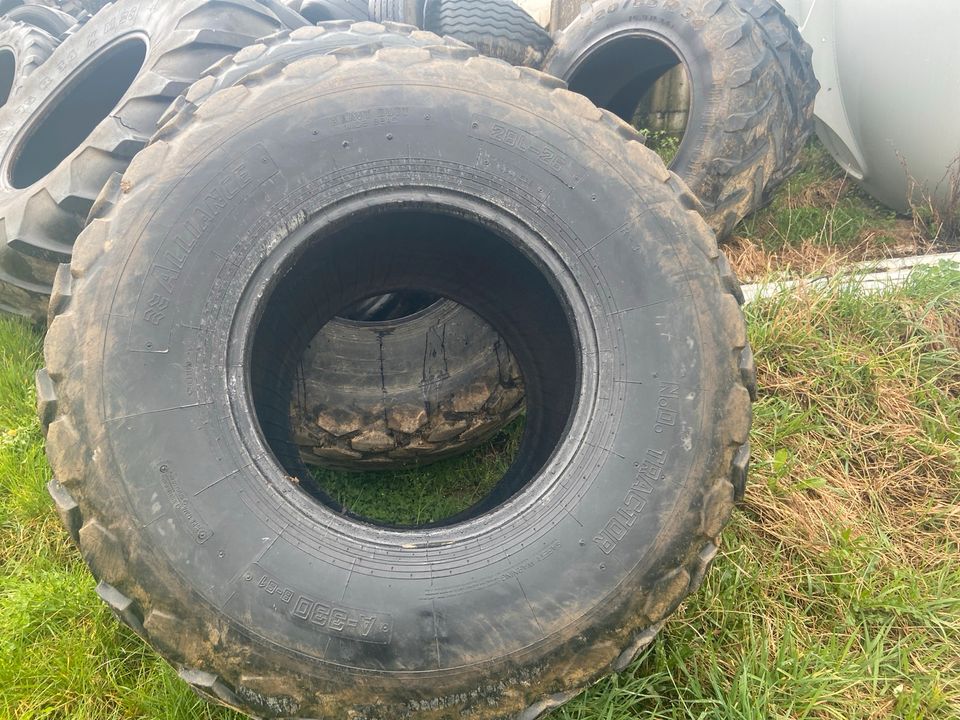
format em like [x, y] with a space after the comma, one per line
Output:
[318, 11]
[409, 12]
[189, 526]
[39, 221]
[800, 87]
[26, 47]
[497, 28]
[746, 124]
[52, 21]
[422, 388]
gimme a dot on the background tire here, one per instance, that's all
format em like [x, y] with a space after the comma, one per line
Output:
[72, 148]
[745, 128]
[635, 441]
[497, 28]
[421, 388]
[52, 21]
[800, 87]
[23, 49]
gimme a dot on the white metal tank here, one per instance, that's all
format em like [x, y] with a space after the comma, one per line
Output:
[889, 102]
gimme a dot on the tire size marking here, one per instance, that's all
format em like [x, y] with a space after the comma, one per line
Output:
[362, 119]
[334, 619]
[181, 505]
[674, 6]
[219, 199]
[649, 473]
[527, 145]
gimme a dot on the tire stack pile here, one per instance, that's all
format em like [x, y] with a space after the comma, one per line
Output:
[260, 242]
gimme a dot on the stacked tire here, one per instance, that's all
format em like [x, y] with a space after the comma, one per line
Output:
[362, 245]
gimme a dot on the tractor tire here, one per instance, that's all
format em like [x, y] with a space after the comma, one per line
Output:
[483, 183]
[795, 57]
[86, 112]
[427, 384]
[55, 23]
[744, 125]
[497, 28]
[23, 49]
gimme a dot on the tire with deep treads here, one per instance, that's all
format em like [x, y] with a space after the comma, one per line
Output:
[72, 130]
[185, 495]
[419, 388]
[23, 49]
[52, 21]
[745, 120]
[497, 28]
[801, 87]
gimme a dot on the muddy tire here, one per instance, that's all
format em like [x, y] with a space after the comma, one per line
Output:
[744, 125]
[318, 11]
[800, 88]
[423, 387]
[418, 389]
[186, 496]
[23, 49]
[52, 21]
[408, 12]
[78, 132]
[497, 28]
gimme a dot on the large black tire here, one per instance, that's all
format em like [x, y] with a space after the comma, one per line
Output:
[52, 21]
[72, 130]
[421, 388]
[490, 185]
[497, 28]
[745, 123]
[23, 49]
[800, 87]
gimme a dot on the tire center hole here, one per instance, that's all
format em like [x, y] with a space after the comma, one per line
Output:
[407, 391]
[645, 83]
[76, 110]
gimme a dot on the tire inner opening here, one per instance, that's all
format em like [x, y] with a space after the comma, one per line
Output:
[644, 82]
[76, 110]
[8, 73]
[438, 253]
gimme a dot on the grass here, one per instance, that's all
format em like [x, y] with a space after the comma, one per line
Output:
[820, 220]
[428, 493]
[837, 594]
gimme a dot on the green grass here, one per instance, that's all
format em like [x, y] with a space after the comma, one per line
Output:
[837, 594]
[423, 495]
[818, 204]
